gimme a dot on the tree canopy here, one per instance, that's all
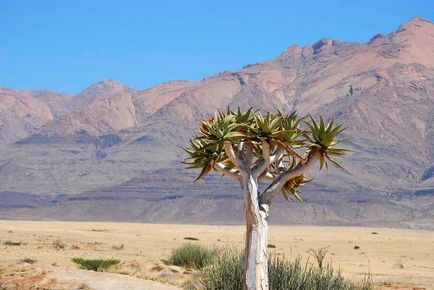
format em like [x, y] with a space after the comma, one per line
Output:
[286, 140]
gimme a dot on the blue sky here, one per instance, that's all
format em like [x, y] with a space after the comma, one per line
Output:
[67, 45]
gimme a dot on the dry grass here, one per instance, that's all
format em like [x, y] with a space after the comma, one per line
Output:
[146, 244]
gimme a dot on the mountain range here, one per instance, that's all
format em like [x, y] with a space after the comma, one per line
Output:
[114, 153]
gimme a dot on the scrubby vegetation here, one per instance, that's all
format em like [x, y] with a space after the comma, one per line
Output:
[118, 247]
[95, 264]
[28, 261]
[226, 273]
[59, 244]
[192, 255]
[12, 243]
[319, 255]
[191, 239]
[291, 275]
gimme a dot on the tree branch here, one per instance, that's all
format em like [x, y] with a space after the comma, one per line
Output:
[279, 153]
[276, 186]
[266, 159]
[236, 160]
[267, 176]
[226, 170]
[249, 154]
[241, 150]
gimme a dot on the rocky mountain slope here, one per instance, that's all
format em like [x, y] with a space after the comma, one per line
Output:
[113, 152]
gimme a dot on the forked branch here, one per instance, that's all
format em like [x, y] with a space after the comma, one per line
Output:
[276, 186]
[226, 170]
[266, 159]
[235, 159]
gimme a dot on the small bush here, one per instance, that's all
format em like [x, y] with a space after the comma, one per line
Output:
[319, 255]
[287, 275]
[12, 243]
[165, 261]
[192, 255]
[226, 273]
[400, 264]
[118, 247]
[95, 264]
[59, 244]
[99, 230]
[28, 261]
[191, 239]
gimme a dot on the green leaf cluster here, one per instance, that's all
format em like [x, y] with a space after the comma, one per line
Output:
[279, 130]
[323, 137]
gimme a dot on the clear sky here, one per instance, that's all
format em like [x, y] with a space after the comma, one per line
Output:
[66, 45]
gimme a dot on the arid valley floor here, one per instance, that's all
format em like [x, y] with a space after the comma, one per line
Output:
[398, 257]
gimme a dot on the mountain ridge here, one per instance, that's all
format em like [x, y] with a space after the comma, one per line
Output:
[110, 136]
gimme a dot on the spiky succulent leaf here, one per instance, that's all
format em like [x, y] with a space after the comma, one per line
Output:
[323, 138]
[254, 127]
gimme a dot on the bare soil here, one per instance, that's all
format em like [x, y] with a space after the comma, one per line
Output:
[395, 258]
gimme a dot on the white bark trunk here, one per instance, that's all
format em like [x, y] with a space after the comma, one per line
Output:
[255, 268]
[255, 265]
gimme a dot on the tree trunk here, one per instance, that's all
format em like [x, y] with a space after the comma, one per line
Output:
[255, 266]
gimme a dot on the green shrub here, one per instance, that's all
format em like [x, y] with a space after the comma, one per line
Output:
[287, 275]
[192, 255]
[12, 243]
[226, 273]
[95, 264]
[191, 239]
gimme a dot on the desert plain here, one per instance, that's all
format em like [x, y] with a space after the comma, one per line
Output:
[394, 258]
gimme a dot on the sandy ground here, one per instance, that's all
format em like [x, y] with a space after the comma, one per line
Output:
[391, 256]
[25, 276]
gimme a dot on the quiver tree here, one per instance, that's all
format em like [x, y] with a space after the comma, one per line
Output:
[253, 147]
